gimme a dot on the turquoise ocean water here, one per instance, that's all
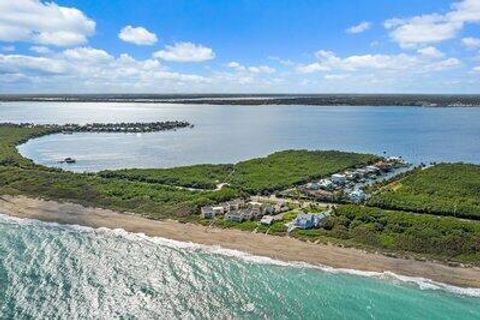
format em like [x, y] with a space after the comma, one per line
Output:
[49, 271]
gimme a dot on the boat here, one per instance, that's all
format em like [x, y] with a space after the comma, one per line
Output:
[69, 160]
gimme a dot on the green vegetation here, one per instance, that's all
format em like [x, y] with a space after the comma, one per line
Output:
[155, 192]
[205, 176]
[440, 237]
[445, 189]
[277, 171]
[292, 167]
[13, 135]
[152, 200]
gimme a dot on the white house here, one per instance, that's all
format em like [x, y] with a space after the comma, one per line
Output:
[220, 210]
[326, 184]
[357, 196]
[267, 220]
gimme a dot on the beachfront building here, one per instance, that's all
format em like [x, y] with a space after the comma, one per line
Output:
[207, 212]
[309, 220]
[235, 216]
[357, 196]
[372, 169]
[267, 220]
[304, 221]
[326, 184]
[339, 178]
[236, 204]
[219, 210]
[313, 186]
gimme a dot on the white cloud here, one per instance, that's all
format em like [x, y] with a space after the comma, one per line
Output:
[40, 49]
[427, 60]
[434, 28]
[471, 42]
[431, 52]
[185, 52]
[261, 69]
[234, 64]
[476, 69]
[251, 69]
[43, 23]
[87, 69]
[138, 35]
[359, 28]
[20, 64]
[334, 77]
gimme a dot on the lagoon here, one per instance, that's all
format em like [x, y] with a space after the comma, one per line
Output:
[225, 134]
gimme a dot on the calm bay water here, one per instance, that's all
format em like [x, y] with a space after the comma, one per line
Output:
[49, 271]
[233, 133]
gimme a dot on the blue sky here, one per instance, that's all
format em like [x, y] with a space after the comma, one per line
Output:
[168, 46]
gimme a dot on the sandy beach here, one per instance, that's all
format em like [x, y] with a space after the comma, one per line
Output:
[281, 248]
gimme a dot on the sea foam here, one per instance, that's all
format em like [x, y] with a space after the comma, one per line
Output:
[420, 282]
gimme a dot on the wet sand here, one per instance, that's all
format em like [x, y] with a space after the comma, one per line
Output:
[280, 248]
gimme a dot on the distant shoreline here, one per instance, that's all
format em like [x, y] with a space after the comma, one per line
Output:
[385, 100]
[280, 248]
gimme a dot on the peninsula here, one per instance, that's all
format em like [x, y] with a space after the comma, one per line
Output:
[397, 226]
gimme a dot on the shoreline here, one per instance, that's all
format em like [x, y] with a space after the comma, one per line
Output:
[278, 248]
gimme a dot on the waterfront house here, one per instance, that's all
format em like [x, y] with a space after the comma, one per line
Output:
[351, 175]
[372, 169]
[321, 217]
[219, 210]
[304, 221]
[280, 207]
[339, 178]
[236, 204]
[361, 173]
[267, 220]
[255, 204]
[234, 216]
[357, 196]
[207, 212]
[326, 184]
[313, 186]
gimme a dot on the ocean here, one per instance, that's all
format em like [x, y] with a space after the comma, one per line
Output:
[50, 271]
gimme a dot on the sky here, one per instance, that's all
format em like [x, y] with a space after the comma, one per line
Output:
[240, 46]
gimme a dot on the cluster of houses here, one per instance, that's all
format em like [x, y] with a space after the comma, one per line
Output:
[239, 210]
[349, 182]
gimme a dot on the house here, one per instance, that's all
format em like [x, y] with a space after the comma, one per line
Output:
[236, 204]
[320, 218]
[280, 207]
[357, 196]
[267, 220]
[255, 204]
[304, 221]
[313, 186]
[269, 210]
[207, 212]
[326, 184]
[372, 169]
[361, 172]
[235, 216]
[351, 175]
[219, 210]
[339, 178]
